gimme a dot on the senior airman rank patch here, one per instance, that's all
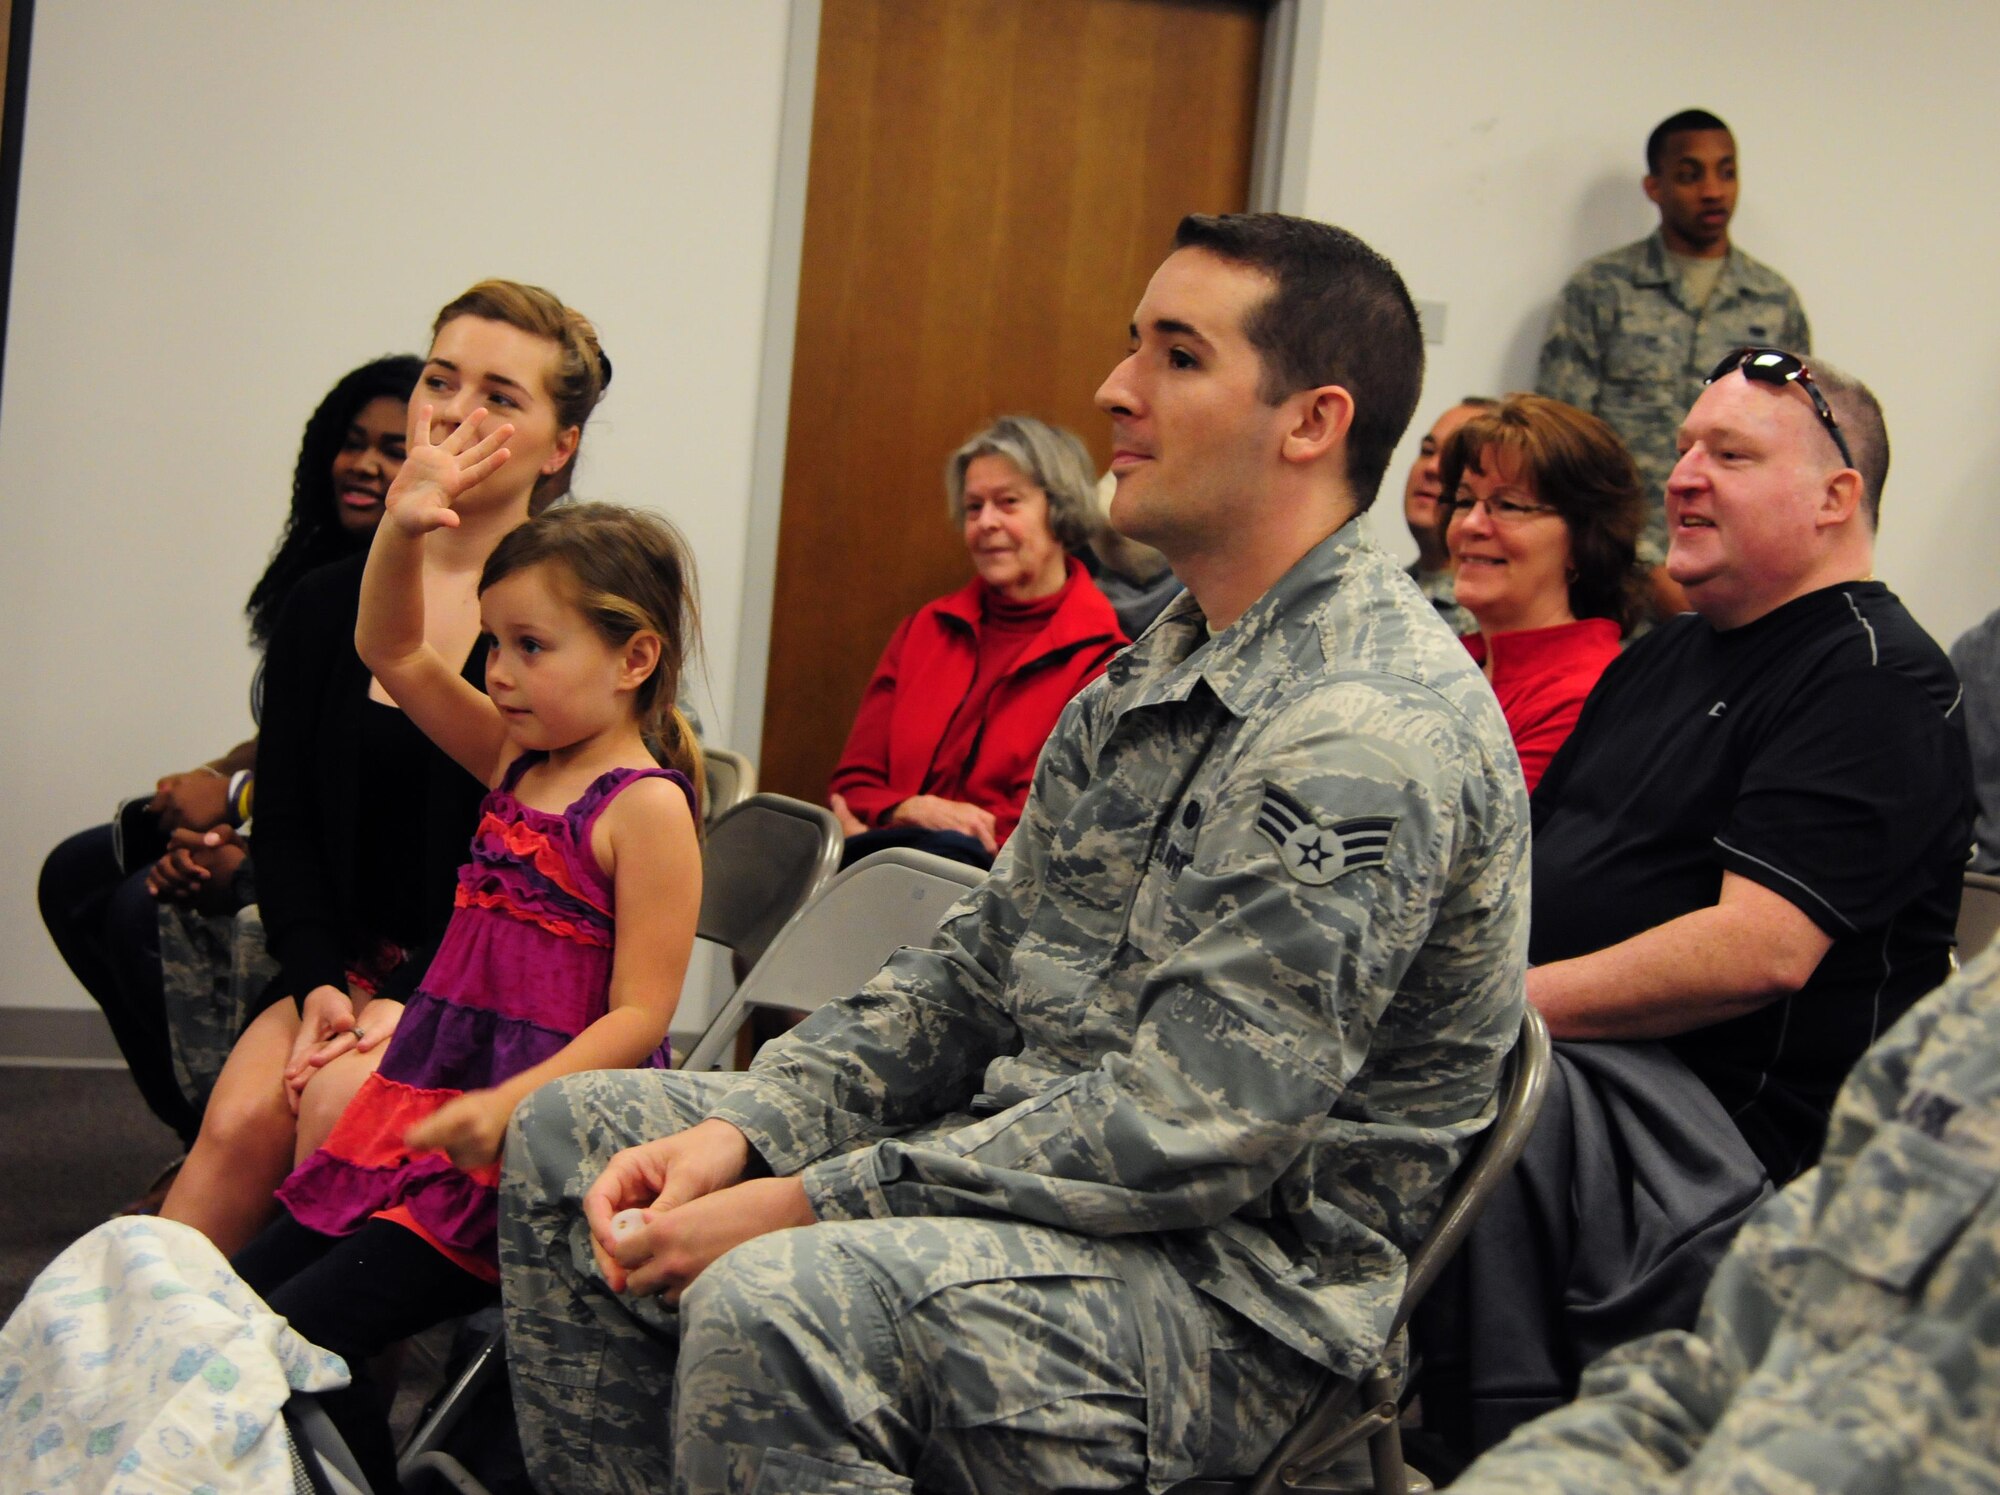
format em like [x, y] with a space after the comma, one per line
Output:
[1316, 851]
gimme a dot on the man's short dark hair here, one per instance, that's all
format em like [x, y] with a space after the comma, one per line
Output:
[1340, 314]
[1679, 124]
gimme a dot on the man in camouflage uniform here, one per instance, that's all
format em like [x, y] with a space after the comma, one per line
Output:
[1084, 1195]
[1635, 330]
[1850, 1340]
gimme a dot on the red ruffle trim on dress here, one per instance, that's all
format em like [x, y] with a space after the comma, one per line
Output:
[500, 902]
[365, 1170]
[536, 849]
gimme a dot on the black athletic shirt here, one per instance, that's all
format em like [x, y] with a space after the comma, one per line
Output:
[1819, 751]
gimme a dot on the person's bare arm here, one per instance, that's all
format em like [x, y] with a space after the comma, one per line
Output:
[655, 868]
[389, 628]
[1750, 947]
[238, 758]
[199, 799]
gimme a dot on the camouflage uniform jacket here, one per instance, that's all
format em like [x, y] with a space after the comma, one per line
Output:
[1627, 345]
[1243, 980]
[1976, 658]
[1851, 1338]
[1442, 588]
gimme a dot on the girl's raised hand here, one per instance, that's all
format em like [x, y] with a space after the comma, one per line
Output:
[435, 474]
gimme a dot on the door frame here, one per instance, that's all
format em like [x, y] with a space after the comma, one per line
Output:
[19, 24]
[1285, 101]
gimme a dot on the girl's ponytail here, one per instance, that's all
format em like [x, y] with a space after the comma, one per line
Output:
[671, 739]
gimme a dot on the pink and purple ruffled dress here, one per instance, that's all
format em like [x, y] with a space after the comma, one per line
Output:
[525, 966]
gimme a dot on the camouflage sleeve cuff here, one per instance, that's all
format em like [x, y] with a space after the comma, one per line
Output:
[764, 1123]
[846, 1188]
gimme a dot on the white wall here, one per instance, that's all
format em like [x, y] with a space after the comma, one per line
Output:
[1489, 149]
[224, 207]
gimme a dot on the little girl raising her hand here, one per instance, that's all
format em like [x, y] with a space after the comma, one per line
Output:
[588, 613]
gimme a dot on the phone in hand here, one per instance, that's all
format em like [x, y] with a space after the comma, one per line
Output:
[137, 841]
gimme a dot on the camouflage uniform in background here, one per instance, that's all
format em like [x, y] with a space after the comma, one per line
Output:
[1627, 344]
[1442, 588]
[1136, 1145]
[213, 967]
[1851, 1338]
[1976, 658]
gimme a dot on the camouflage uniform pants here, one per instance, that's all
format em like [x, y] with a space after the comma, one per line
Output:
[213, 968]
[878, 1355]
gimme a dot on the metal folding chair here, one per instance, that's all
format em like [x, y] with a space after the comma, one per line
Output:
[1344, 1413]
[881, 903]
[1978, 913]
[732, 778]
[761, 863]
[321, 1461]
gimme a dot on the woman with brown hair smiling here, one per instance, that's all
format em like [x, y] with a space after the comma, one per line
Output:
[1543, 517]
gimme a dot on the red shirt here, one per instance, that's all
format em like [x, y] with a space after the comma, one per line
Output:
[948, 707]
[1541, 676]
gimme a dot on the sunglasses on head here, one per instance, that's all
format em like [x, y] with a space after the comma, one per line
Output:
[1775, 366]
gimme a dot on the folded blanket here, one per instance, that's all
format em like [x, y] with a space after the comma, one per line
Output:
[140, 1362]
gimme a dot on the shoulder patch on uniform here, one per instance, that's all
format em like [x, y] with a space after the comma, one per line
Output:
[1316, 851]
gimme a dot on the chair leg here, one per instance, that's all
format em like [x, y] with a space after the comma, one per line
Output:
[1385, 1456]
[456, 1476]
[487, 1363]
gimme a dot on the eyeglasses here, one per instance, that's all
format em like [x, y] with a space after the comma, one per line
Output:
[1504, 512]
[1775, 366]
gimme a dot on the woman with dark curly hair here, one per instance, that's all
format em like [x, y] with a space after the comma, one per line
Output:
[351, 451]
[98, 897]
[1543, 512]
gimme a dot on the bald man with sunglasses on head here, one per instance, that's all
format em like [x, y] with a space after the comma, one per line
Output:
[1747, 863]
[1751, 847]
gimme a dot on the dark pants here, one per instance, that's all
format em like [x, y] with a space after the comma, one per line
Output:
[107, 928]
[356, 1295]
[1609, 1228]
[949, 844]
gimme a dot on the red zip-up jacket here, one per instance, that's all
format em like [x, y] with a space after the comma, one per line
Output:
[924, 674]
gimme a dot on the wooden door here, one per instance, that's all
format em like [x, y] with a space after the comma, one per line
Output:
[991, 184]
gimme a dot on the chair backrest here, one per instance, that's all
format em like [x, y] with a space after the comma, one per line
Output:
[1978, 913]
[732, 778]
[880, 904]
[761, 862]
[1500, 1149]
[1325, 1429]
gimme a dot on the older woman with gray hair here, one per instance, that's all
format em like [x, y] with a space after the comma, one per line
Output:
[945, 743]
